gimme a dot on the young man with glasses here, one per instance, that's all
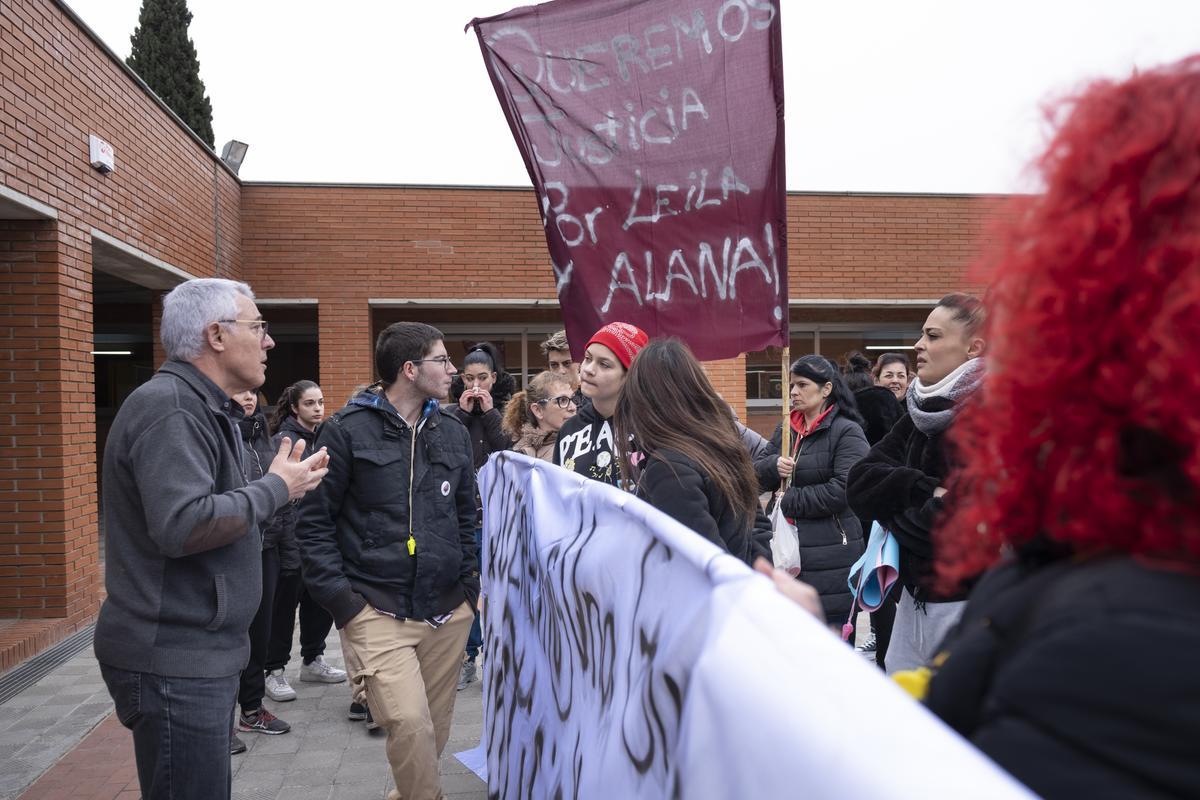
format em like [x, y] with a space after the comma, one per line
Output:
[388, 547]
[557, 351]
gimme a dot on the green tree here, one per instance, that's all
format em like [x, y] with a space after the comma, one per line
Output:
[165, 58]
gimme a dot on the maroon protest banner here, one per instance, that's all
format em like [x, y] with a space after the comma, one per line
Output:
[653, 134]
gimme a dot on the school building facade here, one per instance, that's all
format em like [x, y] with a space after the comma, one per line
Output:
[85, 255]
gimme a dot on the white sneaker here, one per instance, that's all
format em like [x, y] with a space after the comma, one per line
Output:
[320, 672]
[278, 688]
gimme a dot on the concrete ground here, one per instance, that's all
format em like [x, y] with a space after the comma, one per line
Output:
[58, 739]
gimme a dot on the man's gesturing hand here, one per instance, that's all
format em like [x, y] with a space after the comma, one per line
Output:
[300, 475]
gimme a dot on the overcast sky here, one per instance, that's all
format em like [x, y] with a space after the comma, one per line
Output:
[882, 95]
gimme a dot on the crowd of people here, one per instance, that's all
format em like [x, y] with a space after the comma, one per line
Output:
[1036, 463]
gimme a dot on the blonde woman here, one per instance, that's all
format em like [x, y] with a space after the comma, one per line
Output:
[532, 417]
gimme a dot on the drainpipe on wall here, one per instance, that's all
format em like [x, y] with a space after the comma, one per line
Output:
[216, 222]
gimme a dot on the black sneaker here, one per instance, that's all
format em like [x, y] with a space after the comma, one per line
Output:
[358, 712]
[262, 721]
[236, 745]
[372, 725]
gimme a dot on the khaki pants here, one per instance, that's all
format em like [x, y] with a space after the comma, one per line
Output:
[409, 672]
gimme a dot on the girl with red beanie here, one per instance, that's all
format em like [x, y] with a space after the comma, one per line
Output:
[585, 442]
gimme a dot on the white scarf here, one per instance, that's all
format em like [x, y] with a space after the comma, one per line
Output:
[955, 387]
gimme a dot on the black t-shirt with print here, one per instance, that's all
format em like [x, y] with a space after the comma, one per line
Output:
[586, 445]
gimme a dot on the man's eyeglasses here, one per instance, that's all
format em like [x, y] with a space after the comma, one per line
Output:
[259, 326]
[445, 361]
[563, 401]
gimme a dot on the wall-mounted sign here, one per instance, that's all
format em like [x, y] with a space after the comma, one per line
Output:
[100, 153]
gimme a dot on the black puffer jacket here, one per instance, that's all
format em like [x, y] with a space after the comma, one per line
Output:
[256, 458]
[285, 519]
[894, 484]
[354, 527]
[674, 484]
[831, 539]
[1058, 675]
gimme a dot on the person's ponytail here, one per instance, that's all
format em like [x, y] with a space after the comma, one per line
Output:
[517, 415]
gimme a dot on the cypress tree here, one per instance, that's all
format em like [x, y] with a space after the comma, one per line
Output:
[165, 58]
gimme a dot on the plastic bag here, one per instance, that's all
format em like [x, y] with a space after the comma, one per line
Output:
[785, 541]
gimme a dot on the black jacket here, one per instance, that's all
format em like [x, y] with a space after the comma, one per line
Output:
[586, 446]
[1080, 678]
[880, 411]
[674, 484]
[831, 539]
[894, 484]
[285, 520]
[354, 528]
[184, 564]
[487, 436]
[257, 456]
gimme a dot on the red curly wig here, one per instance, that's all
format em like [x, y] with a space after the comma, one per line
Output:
[1086, 430]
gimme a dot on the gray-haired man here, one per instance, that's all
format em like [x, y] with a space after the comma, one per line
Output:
[181, 525]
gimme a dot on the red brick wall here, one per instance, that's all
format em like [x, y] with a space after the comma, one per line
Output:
[344, 245]
[57, 85]
[884, 246]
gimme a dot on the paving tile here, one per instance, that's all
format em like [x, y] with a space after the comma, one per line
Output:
[304, 793]
[357, 791]
[324, 757]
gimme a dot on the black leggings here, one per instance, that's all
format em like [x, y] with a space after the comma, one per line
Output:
[252, 686]
[315, 623]
[882, 621]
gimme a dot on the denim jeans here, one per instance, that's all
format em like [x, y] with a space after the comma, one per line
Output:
[475, 637]
[181, 731]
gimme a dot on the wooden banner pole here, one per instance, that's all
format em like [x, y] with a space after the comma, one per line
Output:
[785, 443]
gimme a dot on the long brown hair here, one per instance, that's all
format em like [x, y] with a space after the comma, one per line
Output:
[667, 402]
[288, 400]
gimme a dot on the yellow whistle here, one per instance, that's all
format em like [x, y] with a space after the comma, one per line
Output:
[412, 545]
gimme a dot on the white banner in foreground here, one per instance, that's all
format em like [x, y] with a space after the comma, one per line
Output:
[629, 657]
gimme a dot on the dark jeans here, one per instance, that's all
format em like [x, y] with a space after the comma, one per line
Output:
[181, 730]
[315, 623]
[253, 683]
[475, 637]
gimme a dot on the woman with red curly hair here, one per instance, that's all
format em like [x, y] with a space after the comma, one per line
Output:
[1074, 665]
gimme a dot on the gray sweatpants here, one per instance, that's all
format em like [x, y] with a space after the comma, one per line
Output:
[917, 633]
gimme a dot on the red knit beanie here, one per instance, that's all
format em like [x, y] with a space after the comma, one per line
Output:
[623, 339]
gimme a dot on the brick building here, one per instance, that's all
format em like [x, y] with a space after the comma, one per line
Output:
[85, 255]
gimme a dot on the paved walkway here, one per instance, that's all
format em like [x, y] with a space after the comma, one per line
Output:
[59, 739]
